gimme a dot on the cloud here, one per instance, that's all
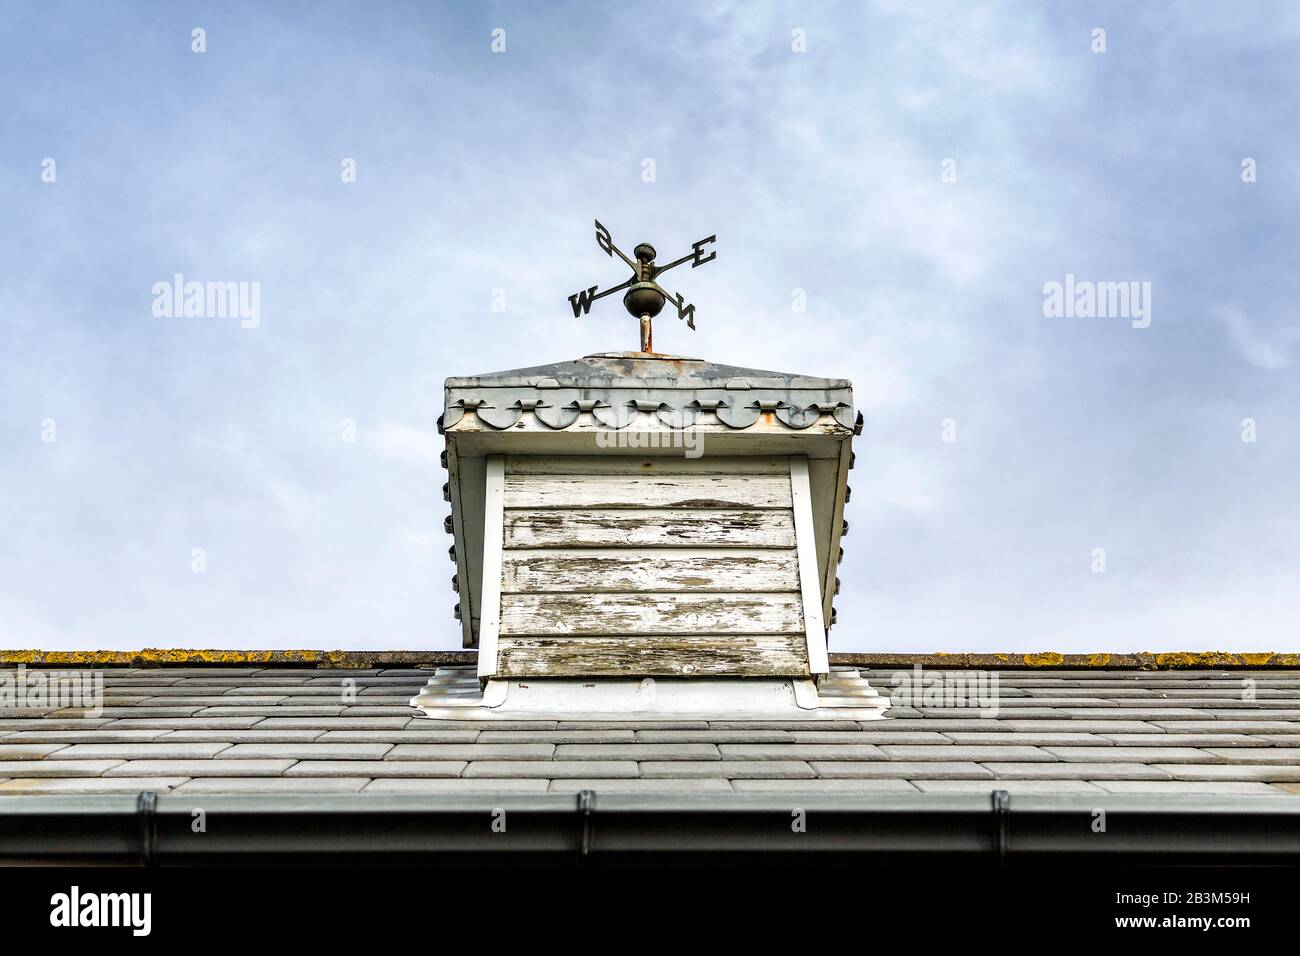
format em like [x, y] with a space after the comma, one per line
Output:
[1251, 345]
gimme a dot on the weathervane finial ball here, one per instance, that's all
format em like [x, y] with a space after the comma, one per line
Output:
[644, 252]
[643, 298]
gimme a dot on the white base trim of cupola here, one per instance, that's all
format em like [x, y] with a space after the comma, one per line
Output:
[454, 693]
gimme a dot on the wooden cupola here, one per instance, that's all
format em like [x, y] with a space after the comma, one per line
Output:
[638, 515]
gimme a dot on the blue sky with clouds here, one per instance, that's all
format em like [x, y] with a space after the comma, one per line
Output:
[818, 170]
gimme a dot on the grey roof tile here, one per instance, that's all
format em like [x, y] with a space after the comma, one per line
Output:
[553, 769]
[181, 694]
[376, 768]
[1231, 726]
[1058, 691]
[1234, 771]
[274, 785]
[893, 724]
[1184, 786]
[978, 752]
[201, 671]
[422, 722]
[824, 785]
[197, 768]
[793, 751]
[883, 736]
[632, 725]
[713, 736]
[409, 734]
[636, 751]
[1117, 754]
[335, 723]
[326, 694]
[184, 723]
[1136, 713]
[271, 712]
[436, 785]
[558, 736]
[128, 711]
[308, 751]
[251, 736]
[1018, 713]
[28, 751]
[1010, 705]
[848, 725]
[180, 750]
[475, 751]
[55, 785]
[1289, 755]
[731, 769]
[1083, 726]
[1030, 738]
[55, 768]
[1076, 771]
[114, 700]
[1173, 739]
[1010, 786]
[643, 785]
[204, 702]
[902, 769]
[414, 679]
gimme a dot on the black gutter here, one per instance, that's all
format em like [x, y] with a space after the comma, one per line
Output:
[603, 829]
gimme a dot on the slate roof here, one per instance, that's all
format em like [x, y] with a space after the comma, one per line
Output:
[291, 730]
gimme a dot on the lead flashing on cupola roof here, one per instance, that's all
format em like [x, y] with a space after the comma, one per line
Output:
[638, 370]
[694, 392]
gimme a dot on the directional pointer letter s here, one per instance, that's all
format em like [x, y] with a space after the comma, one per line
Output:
[604, 239]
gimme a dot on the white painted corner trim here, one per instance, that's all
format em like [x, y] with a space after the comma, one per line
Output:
[809, 578]
[489, 628]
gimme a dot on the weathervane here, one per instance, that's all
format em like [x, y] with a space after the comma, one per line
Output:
[644, 297]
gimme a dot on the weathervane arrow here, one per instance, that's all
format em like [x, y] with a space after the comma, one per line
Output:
[645, 297]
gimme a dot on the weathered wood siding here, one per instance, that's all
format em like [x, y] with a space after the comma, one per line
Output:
[772, 655]
[654, 567]
[746, 492]
[648, 527]
[597, 570]
[650, 613]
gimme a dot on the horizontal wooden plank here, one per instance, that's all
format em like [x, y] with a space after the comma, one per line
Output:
[610, 464]
[665, 528]
[779, 655]
[648, 491]
[676, 569]
[706, 613]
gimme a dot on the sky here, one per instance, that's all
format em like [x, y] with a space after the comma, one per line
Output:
[413, 204]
